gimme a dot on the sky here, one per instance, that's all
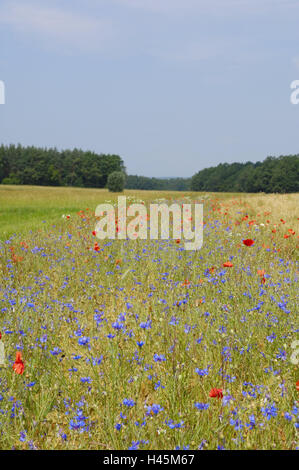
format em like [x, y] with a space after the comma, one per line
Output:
[172, 86]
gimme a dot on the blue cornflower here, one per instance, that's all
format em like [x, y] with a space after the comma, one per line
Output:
[252, 422]
[85, 380]
[135, 445]
[269, 411]
[128, 402]
[117, 326]
[172, 425]
[271, 338]
[30, 384]
[288, 416]
[153, 409]
[202, 372]
[159, 358]
[83, 341]
[281, 355]
[146, 325]
[158, 385]
[201, 406]
[55, 351]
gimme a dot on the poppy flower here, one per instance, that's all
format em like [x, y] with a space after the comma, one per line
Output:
[216, 393]
[261, 272]
[297, 385]
[17, 259]
[248, 242]
[19, 365]
[228, 264]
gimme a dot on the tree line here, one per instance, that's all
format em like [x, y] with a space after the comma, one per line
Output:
[273, 175]
[158, 184]
[51, 167]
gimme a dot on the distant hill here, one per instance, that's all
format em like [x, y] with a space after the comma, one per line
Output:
[158, 184]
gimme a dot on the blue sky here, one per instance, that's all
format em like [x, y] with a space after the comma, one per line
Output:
[172, 86]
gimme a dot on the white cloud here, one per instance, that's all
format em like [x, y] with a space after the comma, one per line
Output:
[57, 26]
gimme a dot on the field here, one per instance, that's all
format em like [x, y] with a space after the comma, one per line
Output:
[140, 344]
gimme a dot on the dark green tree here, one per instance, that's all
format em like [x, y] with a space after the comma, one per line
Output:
[116, 182]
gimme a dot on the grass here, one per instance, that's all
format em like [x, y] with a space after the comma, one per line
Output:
[122, 346]
[25, 208]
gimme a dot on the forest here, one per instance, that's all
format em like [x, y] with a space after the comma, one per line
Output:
[273, 175]
[51, 167]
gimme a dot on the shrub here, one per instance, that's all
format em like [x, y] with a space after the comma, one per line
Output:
[116, 182]
[10, 180]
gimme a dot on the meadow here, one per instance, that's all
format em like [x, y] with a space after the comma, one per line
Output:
[140, 344]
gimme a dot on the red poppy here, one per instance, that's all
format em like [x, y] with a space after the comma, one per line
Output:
[94, 233]
[228, 264]
[297, 385]
[16, 259]
[19, 365]
[0, 335]
[96, 247]
[248, 242]
[216, 393]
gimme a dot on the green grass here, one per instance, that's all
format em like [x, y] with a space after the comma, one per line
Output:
[26, 208]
